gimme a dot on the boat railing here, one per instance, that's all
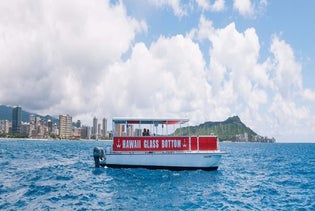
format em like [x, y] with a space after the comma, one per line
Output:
[153, 127]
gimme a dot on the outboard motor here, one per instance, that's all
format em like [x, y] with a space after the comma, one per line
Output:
[98, 154]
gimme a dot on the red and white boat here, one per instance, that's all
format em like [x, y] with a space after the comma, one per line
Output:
[131, 148]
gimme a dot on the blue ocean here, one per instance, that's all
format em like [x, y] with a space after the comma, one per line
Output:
[60, 175]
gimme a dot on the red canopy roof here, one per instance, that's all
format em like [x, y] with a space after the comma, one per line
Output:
[165, 121]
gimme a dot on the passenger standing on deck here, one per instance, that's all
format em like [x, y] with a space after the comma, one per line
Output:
[148, 132]
[144, 133]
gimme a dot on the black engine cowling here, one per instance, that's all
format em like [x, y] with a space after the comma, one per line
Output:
[98, 154]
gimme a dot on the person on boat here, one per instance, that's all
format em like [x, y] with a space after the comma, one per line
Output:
[148, 132]
[144, 133]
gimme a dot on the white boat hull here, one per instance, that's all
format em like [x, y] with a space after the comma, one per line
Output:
[173, 161]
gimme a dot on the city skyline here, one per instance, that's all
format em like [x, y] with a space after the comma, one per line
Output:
[204, 60]
[37, 128]
[31, 115]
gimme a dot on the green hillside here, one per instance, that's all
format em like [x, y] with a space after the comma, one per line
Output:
[231, 129]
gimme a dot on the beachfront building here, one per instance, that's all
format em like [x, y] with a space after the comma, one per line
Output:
[4, 126]
[95, 128]
[85, 132]
[120, 130]
[99, 132]
[65, 126]
[16, 119]
[104, 128]
[130, 131]
[25, 129]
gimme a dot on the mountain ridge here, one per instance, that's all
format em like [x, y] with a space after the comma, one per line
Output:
[231, 129]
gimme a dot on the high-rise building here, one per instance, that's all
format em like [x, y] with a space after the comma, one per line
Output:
[130, 130]
[76, 134]
[33, 131]
[104, 128]
[16, 119]
[78, 124]
[37, 122]
[119, 129]
[55, 129]
[4, 126]
[49, 126]
[95, 129]
[25, 129]
[99, 128]
[32, 119]
[85, 132]
[65, 126]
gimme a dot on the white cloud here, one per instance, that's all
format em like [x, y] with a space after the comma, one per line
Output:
[244, 7]
[290, 109]
[167, 79]
[286, 111]
[204, 4]
[235, 75]
[60, 58]
[308, 94]
[53, 52]
[288, 78]
[270, 91]
[290, 122]
[233, 57]
[205, 30]
[249, 8]
[178, 8]
[218, 5]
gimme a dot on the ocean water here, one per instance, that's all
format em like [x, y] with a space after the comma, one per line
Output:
[60, 175]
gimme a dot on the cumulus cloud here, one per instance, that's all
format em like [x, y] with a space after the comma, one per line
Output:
[53, 52]
[236, 77]
[234, 59]
[248, 8]
[178, 8]
[218, 5]
[288, 78]
[244, 7]
[308, 94]
[204, 31]
[167, 78]
[60, 58]
[289, 120]
[260, 92]
[286, 108]
[182, 8]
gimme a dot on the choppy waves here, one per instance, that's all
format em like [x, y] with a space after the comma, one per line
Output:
[45, 175]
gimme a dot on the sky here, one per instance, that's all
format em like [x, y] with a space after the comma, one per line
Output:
[205, 60]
